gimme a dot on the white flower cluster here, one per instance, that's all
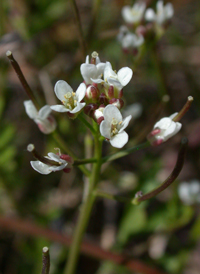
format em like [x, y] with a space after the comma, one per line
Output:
[137, 18]
[100, 96]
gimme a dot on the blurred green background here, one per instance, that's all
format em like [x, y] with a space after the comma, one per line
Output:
[162, 232]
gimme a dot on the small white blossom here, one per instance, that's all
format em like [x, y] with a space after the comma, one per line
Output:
[134, 14]
[71, 101]
[164, 129]
[112, 127]
[118, 80]
[131, 40]
[94, 71]
[189, 192]
[46, 169]
[163, 13]
[42, 118]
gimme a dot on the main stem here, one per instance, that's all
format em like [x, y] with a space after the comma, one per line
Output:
[85, 210]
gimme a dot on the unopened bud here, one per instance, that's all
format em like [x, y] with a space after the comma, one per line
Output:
[67, 158]
[89, 109]
[92, 93]
[111, 92]
[98, 114]
[121, 93]
[103, 99]
[119, 103]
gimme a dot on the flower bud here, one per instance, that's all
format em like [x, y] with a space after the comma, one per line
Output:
[119, 103]
[120, 93]
[98, 114]
[103, 99]
[67, 158]
[89, 109]
[92, 93]
[111, 92]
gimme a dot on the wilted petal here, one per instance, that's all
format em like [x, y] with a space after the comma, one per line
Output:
[119, 140]
[61, 88]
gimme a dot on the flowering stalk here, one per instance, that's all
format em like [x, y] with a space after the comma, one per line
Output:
[45, 260]
[85, 209]
[22, 79]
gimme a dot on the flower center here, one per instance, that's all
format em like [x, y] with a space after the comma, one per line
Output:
[115, 126]
[70, 100]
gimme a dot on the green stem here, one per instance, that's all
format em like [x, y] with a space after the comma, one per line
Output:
[84, 161]
[125, 152]
[85, 212]
[109, 196]
[58, 139]
[88, 125]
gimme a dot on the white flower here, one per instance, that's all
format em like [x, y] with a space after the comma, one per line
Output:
[133, 14]
[42, 118]
[163, 130]
[189, 192]
[163, 14]
[94, 71]
[112, 127]
[131, 40]
[46, 169]
[71, 100]
[118, 80]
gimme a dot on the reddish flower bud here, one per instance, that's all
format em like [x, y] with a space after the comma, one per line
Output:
[70, 115]
[98, 114]
[67, 158]
[111, 92]
[121, 93]
[89, 109]
[92, 93]
[103, 99]
[141, 30]
[119, 103]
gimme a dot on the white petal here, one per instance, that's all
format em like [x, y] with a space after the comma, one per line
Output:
[110, 112]
[80, 93]
[127, 14]
[44, 112]
[97, 81]
[125, 75]
[61, 88]
[169, 10]
[100, 68]
[115, 83]
[54, 157]
[58, 168]
[87, 59]
[78, 107]
[59, 108]
[164, 123]
[88, 71]
[150, 15]
[119, 140]
[40, 167]
[173, 115]
[30, 109]
[105, 129]
[125, 123]
[170, 131]
[108, 72]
